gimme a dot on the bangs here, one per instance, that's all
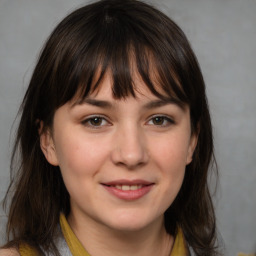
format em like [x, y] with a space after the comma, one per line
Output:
[124, 47]
[125, 65]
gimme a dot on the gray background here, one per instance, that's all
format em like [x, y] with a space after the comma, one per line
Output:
[223, 35]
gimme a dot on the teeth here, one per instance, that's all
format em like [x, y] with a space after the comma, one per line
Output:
[134, 187]
[127, 187]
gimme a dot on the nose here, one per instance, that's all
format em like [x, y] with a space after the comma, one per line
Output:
[129, 148]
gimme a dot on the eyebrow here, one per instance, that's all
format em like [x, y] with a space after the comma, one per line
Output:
[149, 105]
[94, 102]
[163, 102]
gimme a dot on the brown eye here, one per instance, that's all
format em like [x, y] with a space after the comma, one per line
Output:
[162, 121]
[95, 121]
[159, 120]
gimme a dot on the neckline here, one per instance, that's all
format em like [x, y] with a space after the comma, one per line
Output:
[76, 248]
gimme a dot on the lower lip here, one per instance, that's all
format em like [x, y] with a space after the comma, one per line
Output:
[129, 194]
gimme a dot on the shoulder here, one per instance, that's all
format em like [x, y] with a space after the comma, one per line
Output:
[9, 252]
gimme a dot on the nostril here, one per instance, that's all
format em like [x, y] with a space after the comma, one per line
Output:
[129, 148]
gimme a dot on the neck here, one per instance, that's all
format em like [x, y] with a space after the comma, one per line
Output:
[101, 240]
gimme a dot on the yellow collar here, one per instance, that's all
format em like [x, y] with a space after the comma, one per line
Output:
[76, 248]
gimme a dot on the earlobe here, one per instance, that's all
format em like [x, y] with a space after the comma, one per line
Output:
[191, 149]
[47, 146]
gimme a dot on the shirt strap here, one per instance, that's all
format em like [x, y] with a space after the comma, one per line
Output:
[74, 244]
[179, 247]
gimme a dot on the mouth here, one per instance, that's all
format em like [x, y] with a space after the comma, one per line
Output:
[127, 187]
[128, 190]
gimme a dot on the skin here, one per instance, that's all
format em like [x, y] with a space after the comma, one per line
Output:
[9, 252]
[130, 139]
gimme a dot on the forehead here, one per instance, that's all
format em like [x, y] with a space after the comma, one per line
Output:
[130, 71]
[103, 94]
[106, 86]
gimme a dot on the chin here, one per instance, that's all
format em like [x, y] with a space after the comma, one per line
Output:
[128, 227]
[128, 223]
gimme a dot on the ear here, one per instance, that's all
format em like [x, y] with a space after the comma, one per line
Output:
[191, 148]
[47, 145]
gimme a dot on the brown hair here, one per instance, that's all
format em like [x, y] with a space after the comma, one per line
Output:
[105, 34]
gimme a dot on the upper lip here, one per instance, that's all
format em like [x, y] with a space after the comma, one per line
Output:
[128, 182]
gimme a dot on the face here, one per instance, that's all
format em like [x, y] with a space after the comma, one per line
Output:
[122, 161]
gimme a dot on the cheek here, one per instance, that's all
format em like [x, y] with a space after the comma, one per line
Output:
[170, 156]
[79, 155]
[80, 160]
[171, 152]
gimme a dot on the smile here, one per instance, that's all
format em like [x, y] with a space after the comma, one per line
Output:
[127, 187]
[128, 190]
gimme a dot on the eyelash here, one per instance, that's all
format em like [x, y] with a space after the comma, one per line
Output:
[167, 120]
[87, 122]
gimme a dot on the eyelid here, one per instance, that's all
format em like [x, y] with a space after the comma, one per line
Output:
[86, 121]
[167, 118]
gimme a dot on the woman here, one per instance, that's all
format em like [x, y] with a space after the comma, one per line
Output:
[115, 141]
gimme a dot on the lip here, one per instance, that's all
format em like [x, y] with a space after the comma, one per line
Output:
[127, 182]
[145, 187]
